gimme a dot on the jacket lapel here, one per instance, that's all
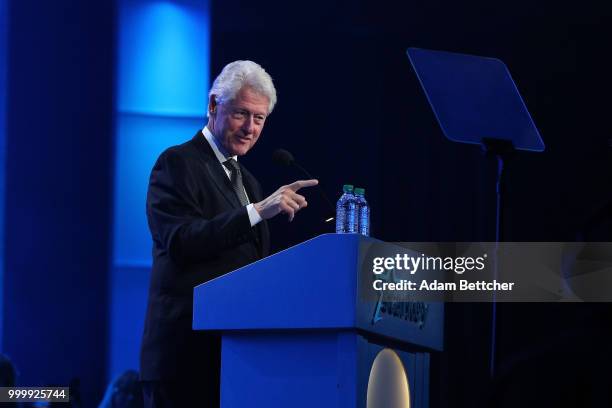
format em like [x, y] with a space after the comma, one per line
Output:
[261, 229]
[249, 185]
[224, 185]
[215, 169]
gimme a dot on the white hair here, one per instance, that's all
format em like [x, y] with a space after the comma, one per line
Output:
[239, 74]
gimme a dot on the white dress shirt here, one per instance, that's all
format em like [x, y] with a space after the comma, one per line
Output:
[254, 216]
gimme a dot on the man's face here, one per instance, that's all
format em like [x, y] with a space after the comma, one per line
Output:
[237, 124]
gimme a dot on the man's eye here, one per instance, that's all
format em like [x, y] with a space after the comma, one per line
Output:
[240, 114]
[260, 118]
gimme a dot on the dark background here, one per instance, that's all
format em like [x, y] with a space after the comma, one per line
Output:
[351, 110]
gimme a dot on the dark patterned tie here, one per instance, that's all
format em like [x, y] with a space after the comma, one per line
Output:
[236, 178]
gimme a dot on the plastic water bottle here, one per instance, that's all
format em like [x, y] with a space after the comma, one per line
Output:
[346, 214]
[363, 212]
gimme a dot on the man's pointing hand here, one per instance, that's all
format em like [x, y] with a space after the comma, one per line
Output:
[284, 200]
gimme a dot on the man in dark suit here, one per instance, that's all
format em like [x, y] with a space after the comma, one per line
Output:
[207, 217]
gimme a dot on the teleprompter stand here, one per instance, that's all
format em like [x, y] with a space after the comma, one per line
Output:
[476, 101]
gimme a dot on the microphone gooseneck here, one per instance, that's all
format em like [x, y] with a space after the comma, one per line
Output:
[285, 158]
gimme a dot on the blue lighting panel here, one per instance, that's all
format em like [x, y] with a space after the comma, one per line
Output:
[140, 140]
[164, 57]
[163, 79]
[128, 307]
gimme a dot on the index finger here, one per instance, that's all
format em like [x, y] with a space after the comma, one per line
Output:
[296, 185]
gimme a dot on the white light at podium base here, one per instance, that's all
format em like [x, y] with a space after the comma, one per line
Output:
[388, 383]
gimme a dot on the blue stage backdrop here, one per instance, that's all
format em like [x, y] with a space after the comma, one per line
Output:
[3, 32]
[58, 170]
[163, 78]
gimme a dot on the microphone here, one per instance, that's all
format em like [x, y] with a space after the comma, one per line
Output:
[283, 157]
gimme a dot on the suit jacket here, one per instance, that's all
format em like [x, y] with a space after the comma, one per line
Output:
[200, 231]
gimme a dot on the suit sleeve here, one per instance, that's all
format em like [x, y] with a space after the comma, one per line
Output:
[176, 220]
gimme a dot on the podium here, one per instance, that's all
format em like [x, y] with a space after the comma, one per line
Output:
[296, 332]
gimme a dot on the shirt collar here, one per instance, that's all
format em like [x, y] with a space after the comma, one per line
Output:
[213, 144]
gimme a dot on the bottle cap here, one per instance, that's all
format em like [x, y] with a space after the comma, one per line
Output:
[347, 188]
[359, 191]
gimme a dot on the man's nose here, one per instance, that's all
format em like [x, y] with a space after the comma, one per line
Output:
[248, 124]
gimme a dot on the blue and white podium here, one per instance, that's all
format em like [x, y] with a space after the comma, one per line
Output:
[297, 332]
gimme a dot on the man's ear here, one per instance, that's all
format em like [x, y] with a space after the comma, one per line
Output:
[212, 104]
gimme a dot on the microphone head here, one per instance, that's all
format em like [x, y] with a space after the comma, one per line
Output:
[282, 157]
